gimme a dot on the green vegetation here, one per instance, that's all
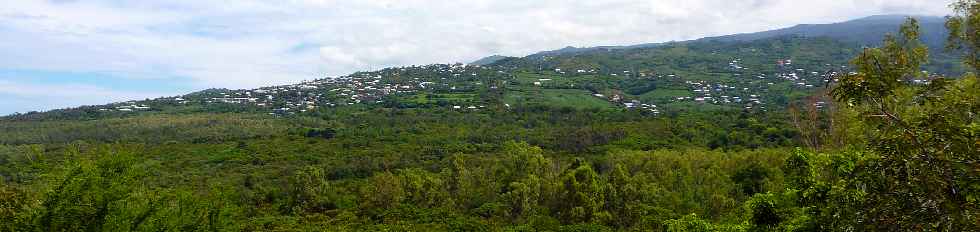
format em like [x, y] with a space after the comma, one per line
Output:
[574, 98]
[370, 169]
[885, 148]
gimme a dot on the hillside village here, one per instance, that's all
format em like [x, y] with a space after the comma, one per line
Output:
[746, 89]
[739, 76]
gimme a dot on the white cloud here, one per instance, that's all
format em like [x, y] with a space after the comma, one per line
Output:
[21, 97]
[250, 43]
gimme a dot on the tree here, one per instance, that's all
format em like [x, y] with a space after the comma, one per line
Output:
[692, 222]
[924, 136]
[13, 202]
[582, 195]
[751, 179]
[310, 192]
[383, 191]
[764, 215]
[326, 133]
[964, 31]
[524, 197]
[90, 193]
[623, 197]
[882, 71]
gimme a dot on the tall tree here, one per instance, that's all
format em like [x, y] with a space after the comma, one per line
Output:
[925, 136]
[964, 31]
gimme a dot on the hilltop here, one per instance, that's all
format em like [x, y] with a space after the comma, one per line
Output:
[488, 60]
[867, 31]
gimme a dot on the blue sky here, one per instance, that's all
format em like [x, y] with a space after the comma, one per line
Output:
[66, 53]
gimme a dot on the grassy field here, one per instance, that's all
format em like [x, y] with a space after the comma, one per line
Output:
[558, 81]
[526, 78]
[433, 98]
[576, 98]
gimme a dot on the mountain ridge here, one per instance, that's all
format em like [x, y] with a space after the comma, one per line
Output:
[933, 32]
[488, 60]
[867, 31]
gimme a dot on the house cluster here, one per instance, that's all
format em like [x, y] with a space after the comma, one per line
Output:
[719, 94]
[362, 87]
[286, 98]
[636, 104]
[748, 90]
[928, 79]
[471, 107]
[803, 79]
[820, 104]
[734, 65]
[129, 106]
[628, 104]
[593, 71]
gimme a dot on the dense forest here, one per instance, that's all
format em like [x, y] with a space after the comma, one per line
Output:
[888, 148]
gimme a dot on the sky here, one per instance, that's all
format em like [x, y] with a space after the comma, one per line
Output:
[66, 53]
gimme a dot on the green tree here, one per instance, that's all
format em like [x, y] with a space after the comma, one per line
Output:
[524, 198]
[924, 135]
[14, 209]
[424, 189]
[751, 179]
[383, 191]
[764, 212]
[692, 223]
[582, 195]
[964, 31]
[90, 193]
[310, 192]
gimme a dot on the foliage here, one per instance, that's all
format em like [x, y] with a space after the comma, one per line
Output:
[914, 172]
[963, 26]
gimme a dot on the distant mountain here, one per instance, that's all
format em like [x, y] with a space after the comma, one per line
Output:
[488, 60]
[573, 50]
[866, 31]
